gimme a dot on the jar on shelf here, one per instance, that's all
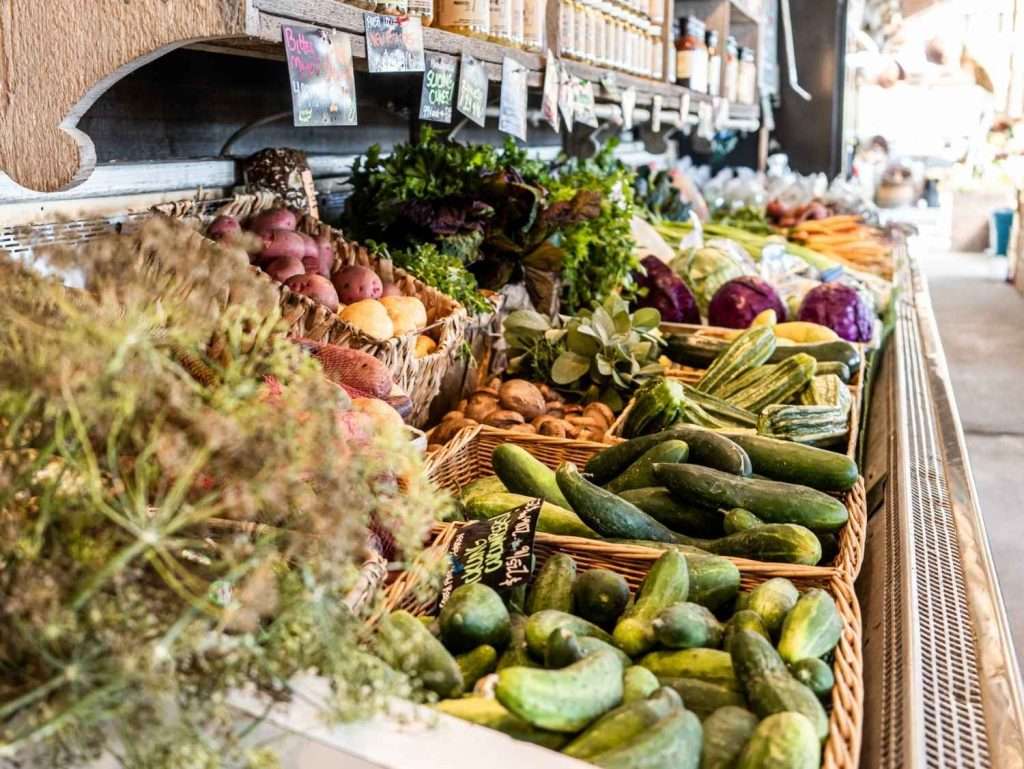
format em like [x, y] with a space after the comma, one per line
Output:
[714, 63]
[424, 9]
[534, 18]
[465, 17]
[501, 21]
[655, 11]
[589, 48]
[579, 45]
[747, 88]
[600, 48]
[516, 18]
[657, 51]
[731, 70]
[691, 54]
[567, 20]
[391, 7]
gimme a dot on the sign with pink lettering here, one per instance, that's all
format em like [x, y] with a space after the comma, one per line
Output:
[322, 81]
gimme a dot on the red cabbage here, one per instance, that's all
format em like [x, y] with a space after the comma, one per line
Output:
[738, 301]
[666, 292]
[841, 308]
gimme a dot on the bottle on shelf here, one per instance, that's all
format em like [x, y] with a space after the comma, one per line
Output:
[501, 21]
[567, 20]
[714, 63]
[517, 13]
[691, 54]
[534, 18]
[465, 17]
[731, 70]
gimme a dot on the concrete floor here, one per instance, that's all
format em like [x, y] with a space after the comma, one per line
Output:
[981, 322]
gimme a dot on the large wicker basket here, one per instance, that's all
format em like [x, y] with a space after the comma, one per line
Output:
[412, 592]
[468, 457]
[419, 377]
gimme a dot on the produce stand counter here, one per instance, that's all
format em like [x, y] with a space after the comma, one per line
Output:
[942, 684]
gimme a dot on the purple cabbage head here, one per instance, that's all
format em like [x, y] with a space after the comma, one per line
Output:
[665, 291]
[738, 301]
[841, 308]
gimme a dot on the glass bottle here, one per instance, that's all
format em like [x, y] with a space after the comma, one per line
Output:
[534, 12]
[501, 21]
[422, 8]
[731, 70]
[516, 14]
[567, 14]
[747, 88]
[714, 63]
[465, 17]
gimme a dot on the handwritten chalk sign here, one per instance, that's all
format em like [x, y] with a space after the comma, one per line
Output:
[473, 89]
[512, 109]
[438, 90]
[497, 552]
[322, 82]
[549, 101]
[393, 43]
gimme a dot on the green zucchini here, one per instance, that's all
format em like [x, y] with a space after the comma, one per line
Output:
[812, 628]
[726, 732]
[815, 674]
[488, 712]
[771, 501]
[473, 615]
[782, 383]
[619, 726]
[739, 519]
[813, 425]
[835, 368]
[638, 683]
[719, 408]
[771, 542]
[552, 587]
[667, 582]
[656, 406]
[601, 596]
[672, 742]
[640, 474]
[751, 378]
[782, 741]
[772, 601]
[607, 513]
[701, 350]
[553, 519]
[540, 626]
[711, 665]
[524, 474]
[795, 463]
[704, 698]
[749, 350]
[406, 644]
[687, 626]
[680, 516]
[563, 700]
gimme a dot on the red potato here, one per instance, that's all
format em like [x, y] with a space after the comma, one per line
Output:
[274, 219]
[390, 289]
[224, 228]
[284, 267]
[316, 287]
[278, 243]
[319, 257]
[355, 283]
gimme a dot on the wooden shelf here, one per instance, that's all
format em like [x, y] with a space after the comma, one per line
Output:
[751, 9]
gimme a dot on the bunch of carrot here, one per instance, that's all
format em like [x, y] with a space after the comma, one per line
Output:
[846, 239]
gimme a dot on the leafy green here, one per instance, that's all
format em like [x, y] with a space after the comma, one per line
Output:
[443, 269]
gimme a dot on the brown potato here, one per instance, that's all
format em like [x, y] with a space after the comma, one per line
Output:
[481, 404]
[504, 418]
[519, 395]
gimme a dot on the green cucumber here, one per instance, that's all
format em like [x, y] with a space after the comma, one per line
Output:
[562, 649]
[711, 449]
[591, 645]
[672, 742]
[812, 627]
[601, 596]
[667, 582]
[553, 586]
[405, 644]
[815, 674]
[749, 350]
[565, 700]
[704, 698]
[612, 461]
[711, 665]
[726, 732]
[638, 683]
[744, 619]
[714, 580]
[516, 652]
[617, 727]
[678, 515]
[607, 513]
[688, 626]
[641, 472]
[773, 542]
[476, 664]
[540, 625]
[738, 519]
[772, 600]
[553, 519]
[782, 741]
[473, 615]
[489, 484]
[771, 501]
[524, 474]
[488, 712]
[795, 463]
[768, 684]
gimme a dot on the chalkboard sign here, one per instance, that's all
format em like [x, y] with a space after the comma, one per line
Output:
[549, 101]
[438, 88]
[393, 43]
[512, 111]
[497, 552]
[584, 108]
[320, 70]
[473, 89]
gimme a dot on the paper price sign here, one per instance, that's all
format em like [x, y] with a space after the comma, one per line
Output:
[656, 102]
[584, 107]
[549, 101]
[473, 89]
[438, 90]
[566, 96]
[393, 43]
[320, 73]
[628, 105]
[512, 112]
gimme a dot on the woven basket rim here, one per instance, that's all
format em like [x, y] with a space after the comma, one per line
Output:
[845, 722]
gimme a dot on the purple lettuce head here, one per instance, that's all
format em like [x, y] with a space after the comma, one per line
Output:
[665, 291]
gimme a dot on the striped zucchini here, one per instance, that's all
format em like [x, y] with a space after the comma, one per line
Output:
[827, 390]
[720, 409]
[814, 425]
[657, 406]
[749, 350]
[749, 379]
[786, 380]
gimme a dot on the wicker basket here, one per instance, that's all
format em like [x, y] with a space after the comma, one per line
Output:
[419, 377]
[841, 750]
[468, 457]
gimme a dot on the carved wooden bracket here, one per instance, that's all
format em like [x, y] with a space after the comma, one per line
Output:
[58, 56]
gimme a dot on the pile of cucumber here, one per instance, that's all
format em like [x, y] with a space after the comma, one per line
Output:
[796, 396]
[689, 488]
[655, 680]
